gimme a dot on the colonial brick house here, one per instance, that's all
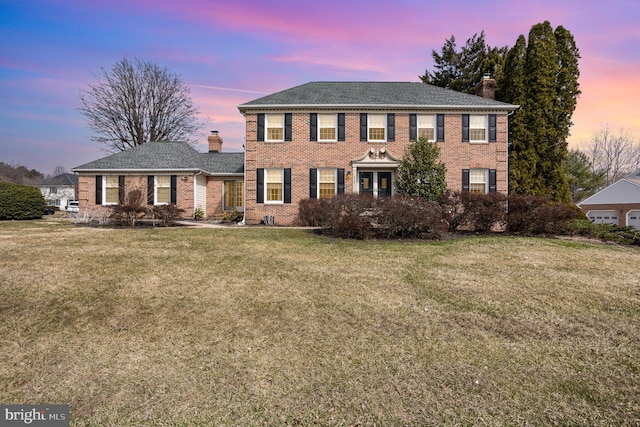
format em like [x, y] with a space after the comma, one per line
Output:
[325, 138]
[167, 173]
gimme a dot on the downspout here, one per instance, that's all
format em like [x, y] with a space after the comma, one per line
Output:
[244, 185]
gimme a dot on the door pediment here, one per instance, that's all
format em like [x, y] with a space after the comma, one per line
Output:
[376, 157]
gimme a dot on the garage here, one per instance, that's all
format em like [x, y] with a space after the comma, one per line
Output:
[603, 217]
[633, 219]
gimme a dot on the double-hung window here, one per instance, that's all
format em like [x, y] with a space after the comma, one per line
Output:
[426, 127]
[163, 189]
[480, 181]
[274, 185]
[275, 127]
[477, 128]
[326, 183]
[111, 190]
[327, 124]
[377, 127]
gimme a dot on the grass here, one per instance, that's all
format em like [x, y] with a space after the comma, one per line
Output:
[260, 327]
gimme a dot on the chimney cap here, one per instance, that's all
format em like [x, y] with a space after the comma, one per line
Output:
[215, 132]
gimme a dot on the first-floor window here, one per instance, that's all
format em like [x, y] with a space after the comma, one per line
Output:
[274, 181]
[233, 195]
[327, 183]
[111, 190]
[163, 190]
[478, 181]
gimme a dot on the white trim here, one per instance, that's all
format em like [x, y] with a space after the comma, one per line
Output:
[273, 202]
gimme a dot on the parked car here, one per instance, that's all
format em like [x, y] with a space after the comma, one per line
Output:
[73, 206]
[48, 210]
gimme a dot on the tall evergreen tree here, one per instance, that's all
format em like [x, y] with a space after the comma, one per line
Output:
[420, 172]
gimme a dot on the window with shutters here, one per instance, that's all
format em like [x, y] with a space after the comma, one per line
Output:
[477, 128]
[327, 125]
[233, 195]
[111, 189]
[426, 127]
[478, 181]
[162, 190]
[326, 183]
[274, 124]
[274, 184]
[377, 127]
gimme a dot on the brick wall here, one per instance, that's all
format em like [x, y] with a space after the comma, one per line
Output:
[301, 154]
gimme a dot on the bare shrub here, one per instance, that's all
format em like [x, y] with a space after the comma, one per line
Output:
[350, 216]
[536, 215]
[166, 215]
[314, 212]
[131, 211]
[409, 217]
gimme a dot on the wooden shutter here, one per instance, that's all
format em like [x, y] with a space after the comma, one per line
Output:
[287, 185]
[340, 180]
[492, 181]
[288, 122]
[260, 135]
[465, 128]
[313, 183]
[174, 189]
[150, 189]
[413, 127]
[439, 127]
[260, 185]
[465, 179]
[341, 127]
[391, 127]
[98, 189]
[492, 128]
[313, 127]
[363, 126]
[121, 189]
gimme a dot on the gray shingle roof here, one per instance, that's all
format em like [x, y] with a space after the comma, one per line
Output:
[66, 179]
[372, 94]
[169, 156]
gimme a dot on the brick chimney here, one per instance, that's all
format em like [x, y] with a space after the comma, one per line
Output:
[487, 87]
[215, 142]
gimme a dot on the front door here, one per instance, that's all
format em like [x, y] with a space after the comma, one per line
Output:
[384, 184]
[366, 182]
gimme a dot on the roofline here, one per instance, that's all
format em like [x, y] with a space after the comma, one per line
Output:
[76, 170]
[501, 106]
[584, 202]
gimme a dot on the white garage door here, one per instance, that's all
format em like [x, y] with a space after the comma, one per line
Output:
[603, 217]
[633, 219]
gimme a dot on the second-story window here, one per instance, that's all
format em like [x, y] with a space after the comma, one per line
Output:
[376, 127]
[426, 126]
[478, 128]
[327, 127]
[275, 127]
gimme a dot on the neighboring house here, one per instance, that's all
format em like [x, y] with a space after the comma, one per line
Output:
[59, 190]
[617, 204]
[167, 173]
[325, 138]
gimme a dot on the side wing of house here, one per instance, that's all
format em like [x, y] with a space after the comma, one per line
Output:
[617, 204]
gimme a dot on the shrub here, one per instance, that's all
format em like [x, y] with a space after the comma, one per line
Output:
[409, 217]
[19, 201]
[232, 216]
[606, 232]
[464, 210]
[535, 215]
[167, 215]
[349, 216]
[314, 212]
[198, 213]
[131, 211]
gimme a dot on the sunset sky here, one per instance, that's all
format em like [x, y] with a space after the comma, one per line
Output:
[230, 52]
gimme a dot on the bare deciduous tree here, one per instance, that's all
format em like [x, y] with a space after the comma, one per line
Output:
[138, 102]
[615, 155]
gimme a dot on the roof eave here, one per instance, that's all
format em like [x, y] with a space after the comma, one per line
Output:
[506, 107]
[141, 170]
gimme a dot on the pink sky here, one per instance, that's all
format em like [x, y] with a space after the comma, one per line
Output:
[230, 52]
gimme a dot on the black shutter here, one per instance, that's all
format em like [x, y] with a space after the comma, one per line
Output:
[287, 185]
[121, 189]
[174, 189]
[439, 127]
[288, 121]
[313, 183]
[341, 127]
[492, 128]
[260, 185]
[492, 181]
[465, 179]
[363, 126]
[465, 128]
[150, 189]
[340, 180]
[98, 189]
[391, 127]
[313, 127]
[413, 127]
[260, 135]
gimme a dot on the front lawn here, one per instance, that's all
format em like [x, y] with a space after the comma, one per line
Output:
[265, 326]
